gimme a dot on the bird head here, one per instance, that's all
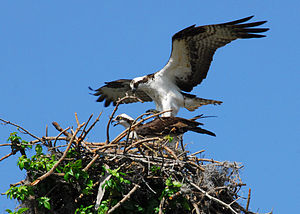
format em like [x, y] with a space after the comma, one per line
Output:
[138, 82]
[122, 119]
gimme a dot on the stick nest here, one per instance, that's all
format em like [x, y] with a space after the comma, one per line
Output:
[154, 175]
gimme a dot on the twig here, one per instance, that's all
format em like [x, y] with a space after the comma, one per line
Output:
[6, 156]
[196, 208]
[140, 142]
[91, 162]
[126, 197]
[18, 183]
[90, 128]
[170, 151]
[64, 131]
[57, 137]
[191, 155]
[5, 144]
[161, 204]
[27, 132]
[83, 130]
[60, 160]
[214, 199]
[77, 121]
[248, 200]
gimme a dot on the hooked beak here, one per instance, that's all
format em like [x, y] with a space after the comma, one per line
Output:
[115, 122]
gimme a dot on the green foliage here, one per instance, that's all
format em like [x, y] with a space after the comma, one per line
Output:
[84, 210]
[17, 144]
[19, 211]
[104, 206]
[73, 170]
[38, 163]
[44, 202]
[170, 191]
[82, 184]
[168, 137]
[19, 192]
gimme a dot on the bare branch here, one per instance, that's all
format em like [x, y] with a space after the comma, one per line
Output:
[126, 197]
[25, 131]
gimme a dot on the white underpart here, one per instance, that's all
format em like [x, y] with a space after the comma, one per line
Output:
[164, 93]
[163, 89]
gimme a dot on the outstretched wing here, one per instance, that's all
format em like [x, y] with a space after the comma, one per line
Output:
[115, 90]
[193, 49]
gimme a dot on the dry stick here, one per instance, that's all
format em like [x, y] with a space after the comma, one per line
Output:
[18, 183]
[208, 160]
[214, 199]
[57, 126]
[6, 144]
[91, 162]
[13, 124]
[90, 128]
[196, 153]
[196, 165]
[126, 197]
[47, 138]
[161, 205]
[196, 208]
[6, 156]
[83, 130]
[248, 200]
[77, 121]
[172, 153]
[140, 142]
[57, 137]
[60, 160]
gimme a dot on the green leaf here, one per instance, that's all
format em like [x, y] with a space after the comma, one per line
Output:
[177, 184]
[169, 182]
[38, 149]
[44, 201]
[21, 210]
[9, 211]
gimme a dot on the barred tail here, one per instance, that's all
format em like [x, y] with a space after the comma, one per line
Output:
[191, 102]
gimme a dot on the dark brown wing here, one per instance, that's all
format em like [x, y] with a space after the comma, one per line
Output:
[193, 49]
[115, 90]
[170, 125]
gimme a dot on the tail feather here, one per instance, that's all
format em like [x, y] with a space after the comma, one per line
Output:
[191, 102]
[202, 131]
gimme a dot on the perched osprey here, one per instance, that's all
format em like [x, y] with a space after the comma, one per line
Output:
[161, 126]
[192, 52]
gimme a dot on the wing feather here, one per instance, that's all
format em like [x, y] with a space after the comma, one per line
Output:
[111, 92]
[193, 49]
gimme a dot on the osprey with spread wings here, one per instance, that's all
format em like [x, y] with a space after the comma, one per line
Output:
[192, 52]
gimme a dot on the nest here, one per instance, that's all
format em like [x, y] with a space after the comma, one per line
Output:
[151, 175]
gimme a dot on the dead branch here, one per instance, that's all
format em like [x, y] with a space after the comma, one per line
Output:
[126, 197]
[21, 128]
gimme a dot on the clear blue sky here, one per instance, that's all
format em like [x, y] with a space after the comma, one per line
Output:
[51, 52]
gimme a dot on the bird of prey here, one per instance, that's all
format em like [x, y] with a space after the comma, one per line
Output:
[161, 126]
[192, 53]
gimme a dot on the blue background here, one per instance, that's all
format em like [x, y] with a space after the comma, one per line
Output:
[51, 52]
